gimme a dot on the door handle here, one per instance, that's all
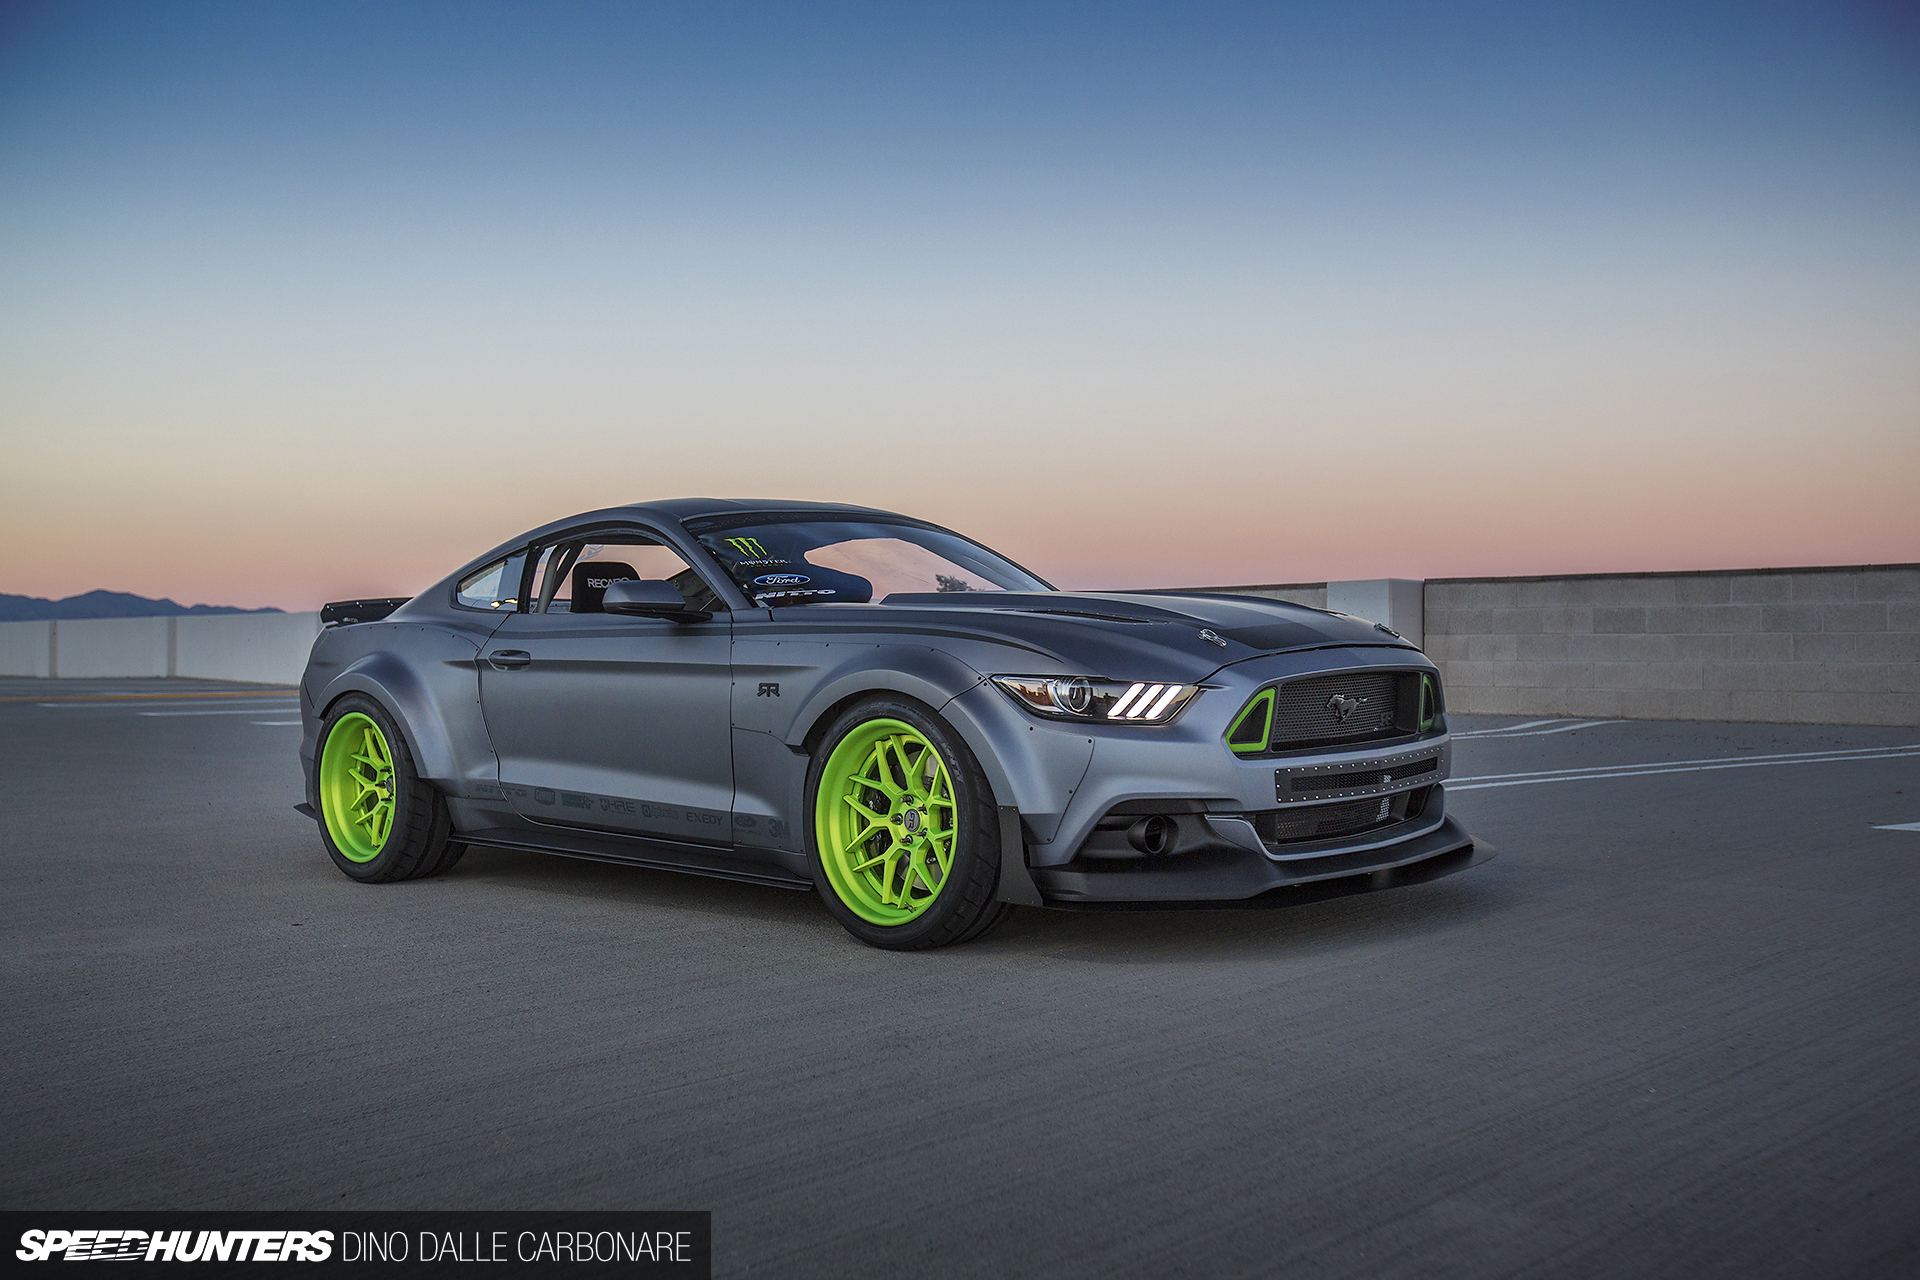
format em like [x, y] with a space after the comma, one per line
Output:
[509, 659]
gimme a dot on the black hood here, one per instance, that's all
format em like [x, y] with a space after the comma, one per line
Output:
[1269, 626]
[1248, 626]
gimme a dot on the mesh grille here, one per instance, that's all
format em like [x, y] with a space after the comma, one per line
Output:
[1323, 821]
[1349, 817]
[1359, 778]
[1306, 711]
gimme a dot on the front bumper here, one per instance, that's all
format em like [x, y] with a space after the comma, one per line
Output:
[1230, 876]
[1250, 831]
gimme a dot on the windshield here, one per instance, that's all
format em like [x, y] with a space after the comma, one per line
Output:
[780, 563]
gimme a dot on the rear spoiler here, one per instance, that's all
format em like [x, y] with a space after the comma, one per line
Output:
[344, 613]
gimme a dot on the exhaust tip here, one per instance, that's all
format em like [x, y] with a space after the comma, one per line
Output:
[1152, 834]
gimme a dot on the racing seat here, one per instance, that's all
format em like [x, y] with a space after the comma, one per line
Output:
[591, 578]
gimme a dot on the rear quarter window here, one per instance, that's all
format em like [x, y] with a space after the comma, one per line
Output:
[491, 588]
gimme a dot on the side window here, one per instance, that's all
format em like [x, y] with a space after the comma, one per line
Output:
[573, 576]
[497, 586]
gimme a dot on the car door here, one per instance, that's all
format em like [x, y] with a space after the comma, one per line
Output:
[608, 721]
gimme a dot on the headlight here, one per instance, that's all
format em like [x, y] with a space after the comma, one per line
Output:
[1084, 698]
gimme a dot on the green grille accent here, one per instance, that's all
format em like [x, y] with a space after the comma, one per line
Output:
[1250, 729]
[1429, 703]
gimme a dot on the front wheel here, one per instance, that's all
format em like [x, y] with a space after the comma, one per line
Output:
[904, 840]
[378, 818]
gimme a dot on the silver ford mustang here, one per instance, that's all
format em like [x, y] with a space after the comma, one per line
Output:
[867, 705]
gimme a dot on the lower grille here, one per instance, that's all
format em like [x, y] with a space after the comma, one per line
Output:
[1349, 707]
[1349, 817]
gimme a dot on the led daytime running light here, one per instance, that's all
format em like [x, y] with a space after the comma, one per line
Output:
[1087, 699]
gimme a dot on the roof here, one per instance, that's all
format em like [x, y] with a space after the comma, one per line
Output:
[693, 508]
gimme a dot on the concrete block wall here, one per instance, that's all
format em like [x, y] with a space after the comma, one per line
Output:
[263, 648]
[267, 648]
[111, 647]
[1803, 646]
[26, 648]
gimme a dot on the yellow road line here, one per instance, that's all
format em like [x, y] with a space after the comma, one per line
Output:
[182, 693]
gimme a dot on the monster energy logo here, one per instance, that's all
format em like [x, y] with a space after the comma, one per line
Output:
[747, 547]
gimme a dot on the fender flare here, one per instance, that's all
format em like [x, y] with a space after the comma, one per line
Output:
[927, 675]
[937, 680]
[391, 683]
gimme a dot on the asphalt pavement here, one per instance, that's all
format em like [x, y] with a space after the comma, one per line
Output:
[1671, 1030]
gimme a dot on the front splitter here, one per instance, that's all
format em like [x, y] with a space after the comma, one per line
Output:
[1247, 880]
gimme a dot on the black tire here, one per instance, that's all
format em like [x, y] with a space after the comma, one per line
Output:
[420, 843]
[964, 907]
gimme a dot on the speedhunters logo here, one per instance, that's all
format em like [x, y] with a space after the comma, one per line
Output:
[175, 1246]
[675, 1244]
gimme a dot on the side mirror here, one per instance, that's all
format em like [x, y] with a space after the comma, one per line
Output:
[649, 598]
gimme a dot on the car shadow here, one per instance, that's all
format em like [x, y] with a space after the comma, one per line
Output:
[1088, 937]
[1214, 935]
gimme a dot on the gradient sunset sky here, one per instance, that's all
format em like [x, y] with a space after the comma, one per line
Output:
[314, 301]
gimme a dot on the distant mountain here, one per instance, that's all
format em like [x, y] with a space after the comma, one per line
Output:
[103, 604]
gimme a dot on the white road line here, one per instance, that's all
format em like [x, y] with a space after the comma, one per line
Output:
[1565, 728]
[1508, 728]
[1836, 753]
[1648, 770]
[229, 711]
[1900, 826]
[276, 722]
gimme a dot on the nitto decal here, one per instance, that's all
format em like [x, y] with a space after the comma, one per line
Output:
[795, 594]
[781, 580]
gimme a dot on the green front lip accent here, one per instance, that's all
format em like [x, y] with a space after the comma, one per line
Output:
[1256, 715]
[356, 787]
[885, 822]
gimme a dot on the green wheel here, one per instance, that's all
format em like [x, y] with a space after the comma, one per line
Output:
[885, 821]
[379, 820]
[356, 787]
[904, 833]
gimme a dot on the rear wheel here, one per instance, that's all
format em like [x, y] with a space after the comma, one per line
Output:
[378, 818]
[904, 842]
